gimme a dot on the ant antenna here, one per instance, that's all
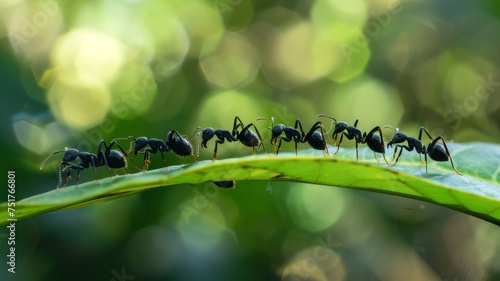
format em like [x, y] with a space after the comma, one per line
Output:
[48, 157]
[265, 118]
[198, 132]
[334, 121]
[131, 143]
[395, 129]
[269, 128]
[329, 117]
[195, 132]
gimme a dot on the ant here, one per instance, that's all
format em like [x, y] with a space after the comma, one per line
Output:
[296, 134]
[246, 136]
[112, 159]
[174, 141]
[225, 184]
[435, 150]
[375, 142]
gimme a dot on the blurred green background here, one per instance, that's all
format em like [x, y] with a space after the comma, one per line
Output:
[73, 72]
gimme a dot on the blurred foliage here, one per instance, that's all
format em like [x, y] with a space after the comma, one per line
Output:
[74, 72]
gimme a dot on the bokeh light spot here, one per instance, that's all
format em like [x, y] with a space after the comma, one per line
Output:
[340, 47]
[89, 56]
[319, 262]
[171, 49]
[134, 92]
[330, 13]
[30, 136]
[204, 229]
[78, 105]
[290, 61]
[308, 204]
[235, 62]
[32, 26]
[362, 98]
[202, 22]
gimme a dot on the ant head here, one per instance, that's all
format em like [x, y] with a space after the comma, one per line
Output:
[70, 154]
[207, 134]
[277, 130]
[399, 137]
[140, 143]
[340, 127]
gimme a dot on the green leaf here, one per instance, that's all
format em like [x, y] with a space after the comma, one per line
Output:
[477, 192]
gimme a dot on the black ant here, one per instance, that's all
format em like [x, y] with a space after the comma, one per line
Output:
[375, 142]
[221, 134]
[246, 136]
[225, 184]
[112, 159]
[296, 134]
[174, 141]
[435, 150]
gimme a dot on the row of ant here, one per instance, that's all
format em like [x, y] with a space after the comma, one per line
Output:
[181, 146]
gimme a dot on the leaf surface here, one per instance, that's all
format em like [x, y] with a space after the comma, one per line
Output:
[477, 192]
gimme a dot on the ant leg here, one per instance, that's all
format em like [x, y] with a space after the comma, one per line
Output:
[236, 126]
[113, 142]
[426, 132]
[221, 141]
[356, 123]
[323, 134]
[399, 155]
[186, 147]
[425, 156]
[68, 177]
[261, 141]
[75, 167]
[274, 143]
[77, 177]
[194, 158]
[101, 156]
[338, 144]
[59, 184]
[447, 152]
[296, 143]
[299, 125]
[383, 155]
[382, 145]
[420, 139]
[279, 144]
[400, 151]
[93, 164]
[393, 155]
[145, 165]
[356, 147]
